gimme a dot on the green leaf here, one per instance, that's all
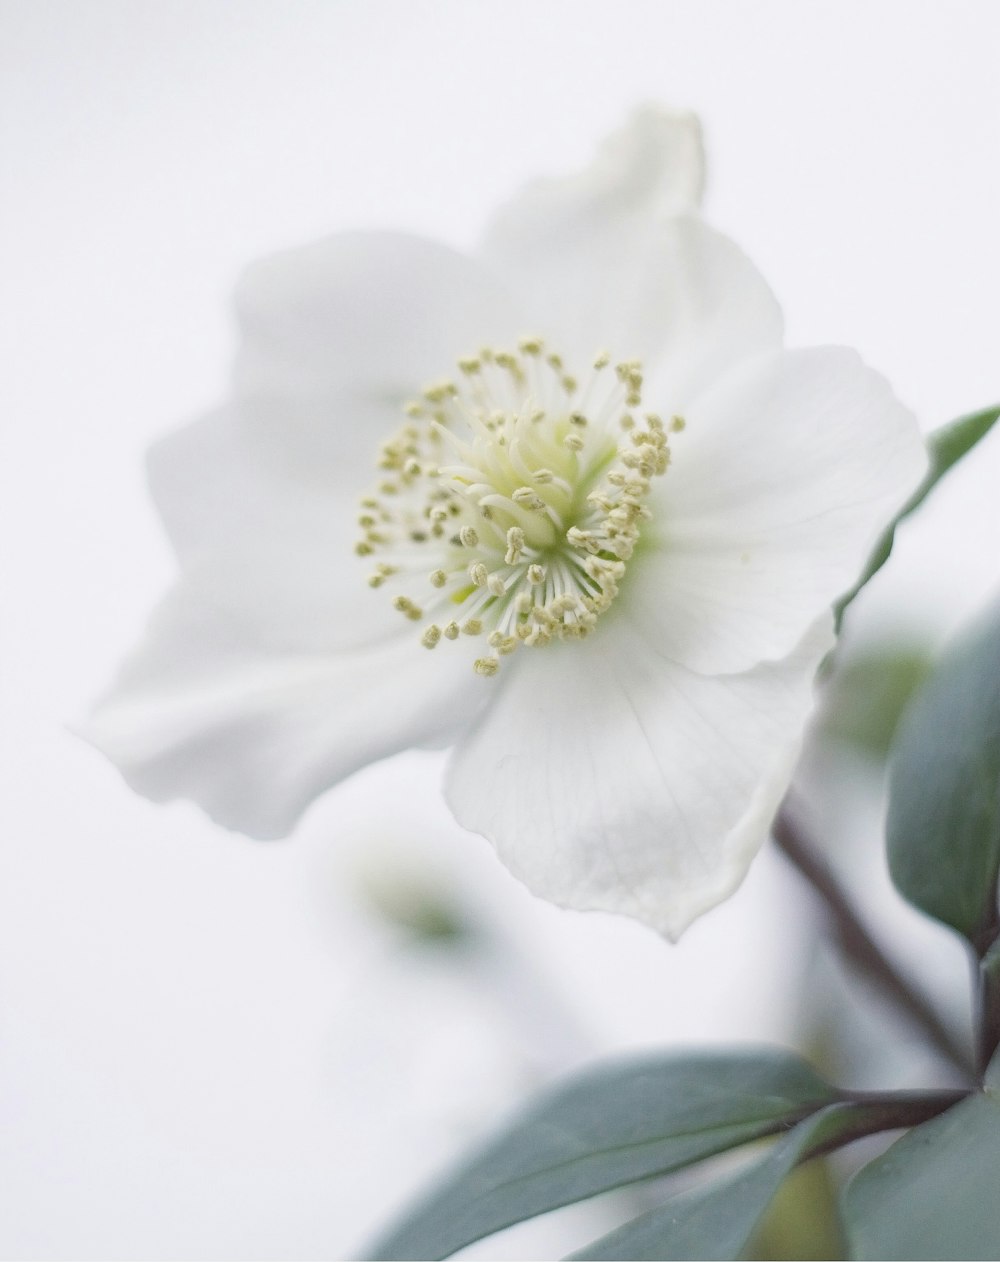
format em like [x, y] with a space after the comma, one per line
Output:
[864, 698]
[607, 1127]
[945, 447]
[717, 1220]
[935, 1193]
[802, 1223]
[943, 826]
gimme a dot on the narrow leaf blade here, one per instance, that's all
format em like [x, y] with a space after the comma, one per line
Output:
[943, 825]
[610, 1126]
[717, 1221]
[945, 447]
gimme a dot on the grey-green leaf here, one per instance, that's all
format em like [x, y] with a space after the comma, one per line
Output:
[945, 447]
[943, 826]
[607, 1127]
[935, 1193]
[717, 1220]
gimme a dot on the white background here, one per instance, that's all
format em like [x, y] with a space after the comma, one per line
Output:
[210, 1047]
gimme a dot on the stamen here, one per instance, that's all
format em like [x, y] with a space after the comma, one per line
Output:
[516, 497]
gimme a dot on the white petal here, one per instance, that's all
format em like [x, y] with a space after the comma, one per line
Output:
[201, 712]
[613, 258]
[781, 483]
[652, 166]
[271, 551]
[610, 779]
[698, 307]
[337, 335]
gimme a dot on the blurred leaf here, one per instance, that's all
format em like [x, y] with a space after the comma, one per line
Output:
[803, 1220]
[717, 1220]
[943, 826]
[868, 692]
[607, 1127]
[945, 447]
[409, 903]
[935, 1193]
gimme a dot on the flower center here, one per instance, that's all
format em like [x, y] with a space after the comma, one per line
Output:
[512, 499]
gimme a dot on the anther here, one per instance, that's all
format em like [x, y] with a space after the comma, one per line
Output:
[515, 545]
[406, 606]
[527, 498]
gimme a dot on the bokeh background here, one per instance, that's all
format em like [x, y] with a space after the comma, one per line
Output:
[212, 1047]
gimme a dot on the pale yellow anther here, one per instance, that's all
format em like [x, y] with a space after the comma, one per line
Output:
[406, 606]
[496, 585]
[468, 536]
[530, 345]
[527, 498]
[602, 360]
[677, 423]
[472, 626]
[479, 573]
[515, 545]
[486, 665]
[574, 442]
[438, 578]
[535, 574]
[431, 636]
[440, 391]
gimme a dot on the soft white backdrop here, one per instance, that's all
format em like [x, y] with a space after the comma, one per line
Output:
[215, 1048]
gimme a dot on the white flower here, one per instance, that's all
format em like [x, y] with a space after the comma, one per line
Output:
[648, 549]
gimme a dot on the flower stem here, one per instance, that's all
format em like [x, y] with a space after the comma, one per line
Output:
[858, 946]
[881, 1111]
[989, 1004]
